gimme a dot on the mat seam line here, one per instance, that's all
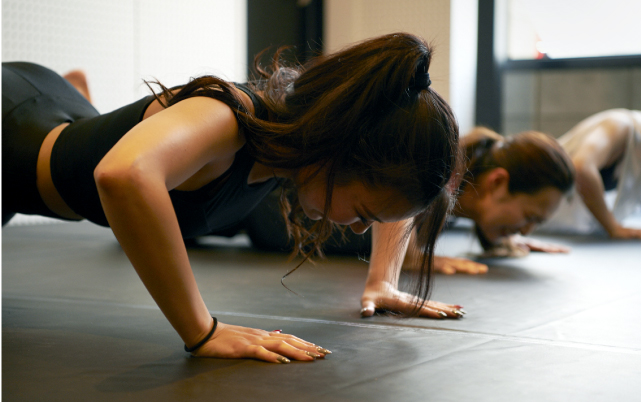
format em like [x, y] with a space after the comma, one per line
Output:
[409, 328]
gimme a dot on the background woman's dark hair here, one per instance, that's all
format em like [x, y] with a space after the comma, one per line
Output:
[535, 161]
[357, 114]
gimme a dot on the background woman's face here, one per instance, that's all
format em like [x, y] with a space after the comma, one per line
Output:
[504, 214]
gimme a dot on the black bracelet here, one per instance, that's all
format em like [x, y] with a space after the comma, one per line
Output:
[205, 339]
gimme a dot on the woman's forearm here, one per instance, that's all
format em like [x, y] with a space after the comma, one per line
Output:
[603, 146]
[389, 245]
[142, 217]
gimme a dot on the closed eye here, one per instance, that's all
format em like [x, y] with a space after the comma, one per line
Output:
[372, 217]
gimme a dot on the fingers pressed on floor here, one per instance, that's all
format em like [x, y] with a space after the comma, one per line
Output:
[261, 353]
[310, 347]
[289, 338]
[433, 313]
[442, 312]
[293, 352]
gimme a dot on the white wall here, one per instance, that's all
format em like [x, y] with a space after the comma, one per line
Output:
[120, 42]
[463, 53]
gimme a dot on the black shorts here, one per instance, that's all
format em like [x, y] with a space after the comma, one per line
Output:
[34, 101]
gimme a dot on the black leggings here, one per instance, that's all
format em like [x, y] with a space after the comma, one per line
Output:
[35, 100]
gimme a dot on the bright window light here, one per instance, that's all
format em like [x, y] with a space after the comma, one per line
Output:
[559, 29]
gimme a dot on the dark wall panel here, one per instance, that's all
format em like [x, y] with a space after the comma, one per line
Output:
[275, 23]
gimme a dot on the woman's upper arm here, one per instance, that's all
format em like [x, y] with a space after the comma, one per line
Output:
[175, 143]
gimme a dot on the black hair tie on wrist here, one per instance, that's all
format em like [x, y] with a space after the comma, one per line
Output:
[204, 340]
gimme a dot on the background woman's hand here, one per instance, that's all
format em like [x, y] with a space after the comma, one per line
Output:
[621, 232]
[517, 246]
[234, 342]
[537, 245]
[385, 296]
[449, 265]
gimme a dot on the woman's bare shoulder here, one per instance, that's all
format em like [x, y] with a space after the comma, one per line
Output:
[155, 106]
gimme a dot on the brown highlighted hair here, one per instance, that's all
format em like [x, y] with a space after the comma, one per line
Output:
[534, 160]
[360, 114]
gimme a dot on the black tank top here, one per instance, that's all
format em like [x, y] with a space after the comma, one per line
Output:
[216, 206]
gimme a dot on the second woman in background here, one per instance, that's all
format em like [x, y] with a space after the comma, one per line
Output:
[515, 183]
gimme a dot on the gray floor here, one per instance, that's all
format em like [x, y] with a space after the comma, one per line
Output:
[78, 325]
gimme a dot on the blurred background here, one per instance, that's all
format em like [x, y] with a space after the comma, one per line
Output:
[511, 65]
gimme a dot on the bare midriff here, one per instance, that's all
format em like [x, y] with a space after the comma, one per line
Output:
[47, 190]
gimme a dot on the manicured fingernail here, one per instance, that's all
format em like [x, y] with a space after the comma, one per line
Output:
[364, 309]
[462, 311]
[322, 350]
[282, 359]
[458, 307]
[459, 313]
[278, 330]
[442, 314]
[314, 355]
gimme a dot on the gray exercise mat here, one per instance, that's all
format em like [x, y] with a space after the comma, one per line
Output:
[79, 325]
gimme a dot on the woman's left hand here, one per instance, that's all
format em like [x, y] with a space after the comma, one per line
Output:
[385, 296]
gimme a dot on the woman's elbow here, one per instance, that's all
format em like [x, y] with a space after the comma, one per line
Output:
[111, 178]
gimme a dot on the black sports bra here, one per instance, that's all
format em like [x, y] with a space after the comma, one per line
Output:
[216, 206]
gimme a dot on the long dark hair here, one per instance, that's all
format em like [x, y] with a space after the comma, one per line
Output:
[365, 113]
[534, 161]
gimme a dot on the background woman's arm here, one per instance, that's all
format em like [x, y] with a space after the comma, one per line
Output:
[605, 144]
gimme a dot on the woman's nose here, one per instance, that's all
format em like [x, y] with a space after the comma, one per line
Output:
[359, 227]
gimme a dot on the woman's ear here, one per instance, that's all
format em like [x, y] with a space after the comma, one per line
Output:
[497, 181]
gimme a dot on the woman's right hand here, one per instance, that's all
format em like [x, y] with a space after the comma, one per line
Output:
[234, 342]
